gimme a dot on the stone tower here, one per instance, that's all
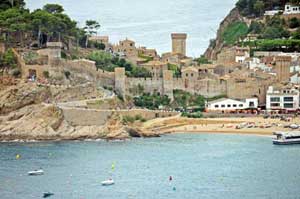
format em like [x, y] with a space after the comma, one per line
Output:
[120, 79]
[179, 43]
[168, 84]
[282, 68]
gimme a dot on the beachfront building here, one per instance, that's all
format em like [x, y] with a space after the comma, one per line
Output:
[282, 98]
[291, 8]
[229, 105]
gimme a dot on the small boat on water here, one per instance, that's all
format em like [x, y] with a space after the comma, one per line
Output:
[107, 182]
[47, 194]
[36, 172]
[285, 138]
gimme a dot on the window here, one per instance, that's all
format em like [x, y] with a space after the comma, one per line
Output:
[187, 75]
[229, 105]
[288, 106]
[275, 99]
[251, 104]
[216, 106]
[241, 105]
[192, 75]
[223, 106]
[288, 99]
[275, 104]
[234, 105]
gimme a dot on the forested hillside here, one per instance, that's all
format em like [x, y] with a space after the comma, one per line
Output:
[272, 32]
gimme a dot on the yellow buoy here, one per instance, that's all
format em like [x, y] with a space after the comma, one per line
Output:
[18, 156]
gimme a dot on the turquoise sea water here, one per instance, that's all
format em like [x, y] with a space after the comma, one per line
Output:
[150, 22]
[203, 166]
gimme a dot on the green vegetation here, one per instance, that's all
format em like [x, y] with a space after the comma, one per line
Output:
[192, 115]
[147, 58]
[7, 4]
[46, 74]
[176, 70]
[286, 45]
[185, 99]
[105, 61]
[202, 60]
[234, 31]
[41, 25]
[151, 101]
[8, 60]
[256, 8]
[129, 120]
[91, 27]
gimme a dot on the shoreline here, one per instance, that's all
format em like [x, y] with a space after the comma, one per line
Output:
[254, 133]
[245, 133]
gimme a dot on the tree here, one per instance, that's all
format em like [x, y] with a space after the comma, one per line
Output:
[8, 59]
[91, 27]
[259, 8]
[294, 23]
[53, 8]
[6, 4]
[256, 27]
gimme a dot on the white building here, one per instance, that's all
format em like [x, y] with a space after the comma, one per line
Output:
[291, 9]
[282, 99]
[241, 54]
[272, 12]
[295, 79]
[225, 104]
[255, 63]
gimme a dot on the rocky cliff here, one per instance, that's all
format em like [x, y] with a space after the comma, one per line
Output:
[29, 112]
[217, 44]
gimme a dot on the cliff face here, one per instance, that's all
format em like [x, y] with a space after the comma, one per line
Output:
[216, 47]
[26, 114]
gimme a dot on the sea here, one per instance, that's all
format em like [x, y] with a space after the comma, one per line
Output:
[150, 22]
[202, 166]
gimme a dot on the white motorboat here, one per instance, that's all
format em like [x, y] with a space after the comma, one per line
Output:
[284, 138]
[107, 182]
[36, 172]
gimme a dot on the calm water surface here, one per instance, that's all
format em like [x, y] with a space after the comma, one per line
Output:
[150, 22]
[202, 166]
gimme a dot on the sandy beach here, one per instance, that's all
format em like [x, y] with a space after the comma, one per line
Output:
[247, 125]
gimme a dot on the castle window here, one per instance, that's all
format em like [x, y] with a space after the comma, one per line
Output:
[228, 105]
[187, 75]
[216, 106]
[235, 105]
[223, 106]
[192, 74]
[241, 105]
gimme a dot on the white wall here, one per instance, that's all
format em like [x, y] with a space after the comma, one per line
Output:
[281, 100]
[290, 9]
[231, 105]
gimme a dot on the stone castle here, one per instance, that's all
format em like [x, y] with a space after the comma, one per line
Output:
[209, 80]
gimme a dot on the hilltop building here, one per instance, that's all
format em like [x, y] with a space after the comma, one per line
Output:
[291, 8]
[179, 43]
[100, 39]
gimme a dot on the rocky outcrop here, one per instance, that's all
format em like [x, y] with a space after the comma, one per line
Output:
[46, 122]
[31, 122]
[216, 46]
[24, 94]
[27, 113]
